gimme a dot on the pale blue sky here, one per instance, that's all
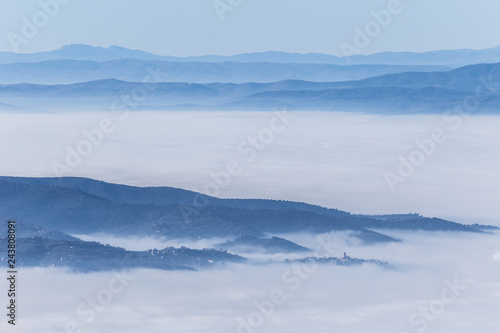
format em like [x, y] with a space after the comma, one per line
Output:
[192, 27]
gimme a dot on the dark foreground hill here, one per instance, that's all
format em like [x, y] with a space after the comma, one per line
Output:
[450, 58]
[85, 206]
[28, 230]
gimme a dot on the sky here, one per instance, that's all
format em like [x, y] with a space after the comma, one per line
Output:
[195, 27]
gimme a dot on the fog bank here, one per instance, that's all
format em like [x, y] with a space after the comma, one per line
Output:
[333, 159]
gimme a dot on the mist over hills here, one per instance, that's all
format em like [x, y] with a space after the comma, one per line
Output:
[403, 93]
[86, 78]
[48, 210]
[269, 245]
[92, 256]
[28, 230]
[81, 77]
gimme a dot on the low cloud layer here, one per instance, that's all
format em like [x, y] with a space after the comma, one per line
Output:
[332, 159]
[443, 282]
[451, 279]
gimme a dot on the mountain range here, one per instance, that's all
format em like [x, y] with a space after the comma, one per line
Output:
[86, 78]
[404, 93]
[86, 206]
[448, 58]
[134, 70]
[48, 210]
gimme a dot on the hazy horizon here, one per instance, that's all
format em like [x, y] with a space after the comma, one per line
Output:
[387, 134]
[250, 26]
[261, 51]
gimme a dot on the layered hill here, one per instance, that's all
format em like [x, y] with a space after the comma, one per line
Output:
[85, 206]
[267, 245]
[134, 70]
[92, 256]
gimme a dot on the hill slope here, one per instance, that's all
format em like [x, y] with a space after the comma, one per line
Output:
[84, 206]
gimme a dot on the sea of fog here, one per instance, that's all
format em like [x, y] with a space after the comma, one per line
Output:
[444, 282]
[438, 282]
[367, 164]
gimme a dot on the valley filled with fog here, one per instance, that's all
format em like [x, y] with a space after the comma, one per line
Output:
[414, 296]
[232, 166]
[337, 160]
[437, 281]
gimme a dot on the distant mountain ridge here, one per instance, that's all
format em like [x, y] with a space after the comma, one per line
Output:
[133, 70]
[403, 93]
[448, 58]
